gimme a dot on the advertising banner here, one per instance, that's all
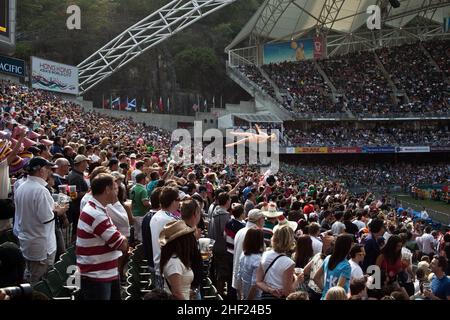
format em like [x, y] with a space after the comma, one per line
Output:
[12, 66]
[290, 150]
[413, 149]
[319, 48]
[387, 149]
[311, 150]
[345, 150]
[297, 50]
[4, 18]
[53, 76]
[440, 149]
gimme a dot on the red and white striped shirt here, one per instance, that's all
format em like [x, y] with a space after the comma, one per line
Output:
[97, 244]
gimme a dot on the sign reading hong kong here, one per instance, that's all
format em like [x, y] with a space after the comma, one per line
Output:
[54, 76]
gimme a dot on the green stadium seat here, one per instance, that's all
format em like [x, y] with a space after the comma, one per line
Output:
[43, 288]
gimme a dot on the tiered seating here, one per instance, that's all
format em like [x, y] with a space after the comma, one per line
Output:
[54, 285]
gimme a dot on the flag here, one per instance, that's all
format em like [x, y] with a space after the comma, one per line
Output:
[195, 107]
[115, 103]
[168, 105]
[161, 104]
[446, 24]
[214, 101]
[205, 105]
[131, 105]
[105, 103]
[151, 105]
[123, 104]
[143, 106]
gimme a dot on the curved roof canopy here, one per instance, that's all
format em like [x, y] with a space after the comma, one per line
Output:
[287, 19]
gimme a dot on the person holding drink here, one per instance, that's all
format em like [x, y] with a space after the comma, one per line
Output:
[77, 189]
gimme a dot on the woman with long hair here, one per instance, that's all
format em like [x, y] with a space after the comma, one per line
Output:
[178, 243]
[390, 258]
[249, 261]
[336, 269]
[303, 251]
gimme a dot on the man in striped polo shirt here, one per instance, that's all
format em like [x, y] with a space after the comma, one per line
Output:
[99, 244]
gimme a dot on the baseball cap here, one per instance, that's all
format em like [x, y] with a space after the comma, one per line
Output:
[37, 163]
[79, 158]
[254, 215]
[133, 155]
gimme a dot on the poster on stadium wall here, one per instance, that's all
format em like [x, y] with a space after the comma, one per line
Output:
[292, 51]
[311, 150]
[440, 149]
[387, 149]
[54, 76]
[320, 48]
[345, 150]
[413, 149]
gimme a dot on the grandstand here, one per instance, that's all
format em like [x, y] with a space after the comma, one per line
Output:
[348, 94]
[363, 118]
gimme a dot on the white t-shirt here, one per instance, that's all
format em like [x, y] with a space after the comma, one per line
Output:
[4, 191]
[274, 277]
[175, 266]
[157, 223]
[316, 245]
[4, 179]
[359, 224]
[238, 242]
[428, 243]
[357, 272]
[119, 217]
[36, 231]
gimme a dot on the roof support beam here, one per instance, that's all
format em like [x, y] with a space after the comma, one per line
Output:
[147, 33]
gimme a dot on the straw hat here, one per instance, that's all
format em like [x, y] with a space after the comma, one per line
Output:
[173, 230]
[283, 222]
[271, 211]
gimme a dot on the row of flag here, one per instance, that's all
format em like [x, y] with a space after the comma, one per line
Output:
[131, 105]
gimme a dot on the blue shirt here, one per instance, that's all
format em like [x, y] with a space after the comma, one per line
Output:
[246, 191]
[440, 287]
[150, 186]
[331, 277]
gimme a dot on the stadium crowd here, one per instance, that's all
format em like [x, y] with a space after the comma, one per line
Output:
[338, 136]
[283, 235]
[360, 83]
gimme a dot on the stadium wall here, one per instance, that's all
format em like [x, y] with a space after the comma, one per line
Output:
[165, 121]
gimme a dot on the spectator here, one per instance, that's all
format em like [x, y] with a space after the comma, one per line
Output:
[335, 268]
[139, 204]
[440, 283]
[170, 202]
[275, 275]
[255, 219]
[36, 232]
[219, 220]
[76, 178]
[357, 254]
[373, 242]
[178, 243]
[249, 262]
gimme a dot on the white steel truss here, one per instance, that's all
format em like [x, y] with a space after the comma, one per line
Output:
[155, 28]
[270, 15]
[328, 15]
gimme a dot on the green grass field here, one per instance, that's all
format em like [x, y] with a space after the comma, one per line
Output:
[429, 205]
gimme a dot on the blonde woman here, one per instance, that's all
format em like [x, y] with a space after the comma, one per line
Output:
[336, 293]
[275, 275]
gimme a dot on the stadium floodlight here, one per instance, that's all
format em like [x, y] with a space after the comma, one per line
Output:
[155, 28]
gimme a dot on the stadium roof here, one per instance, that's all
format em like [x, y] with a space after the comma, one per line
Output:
[287, 19]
